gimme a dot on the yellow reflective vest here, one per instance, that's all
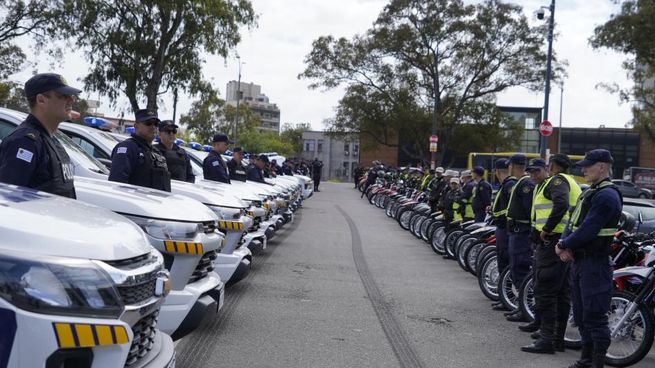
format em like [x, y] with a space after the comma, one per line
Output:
[542, 206]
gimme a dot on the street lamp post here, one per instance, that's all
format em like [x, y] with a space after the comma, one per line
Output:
[559, 133]
[236, 118]
[543, 142]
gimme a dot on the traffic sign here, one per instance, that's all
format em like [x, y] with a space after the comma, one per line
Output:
[433, 147]
[545, 128]
[434, 139]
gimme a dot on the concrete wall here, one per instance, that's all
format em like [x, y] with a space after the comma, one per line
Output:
[339, 156]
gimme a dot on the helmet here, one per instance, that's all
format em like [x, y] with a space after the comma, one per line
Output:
[627, 222]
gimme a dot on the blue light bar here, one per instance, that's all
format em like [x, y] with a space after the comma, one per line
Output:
[95, 122]
[180, 142]
[195, 145]
[207, 148]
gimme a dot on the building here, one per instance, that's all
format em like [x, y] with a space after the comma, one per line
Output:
[252, 96]
[340, 156]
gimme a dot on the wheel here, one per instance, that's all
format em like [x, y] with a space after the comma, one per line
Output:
[463, 250]
[388, 207]
[526, 297]
[572, 338]
[488, 278]
[482, 257]
[643, 195]
[424, 228]
[417, 226]
[404, 217]
[437, 242]
[508, 292]
[472, 255]
[631, 340]
[371, 197]
[432, 227]
[451, 239]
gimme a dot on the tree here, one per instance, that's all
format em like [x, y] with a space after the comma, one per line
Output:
[248, 120]
[144, 49]
[439, 55]
[12, 97]
[631, 32]
[256, 142]
[203, 117]
[292, 134]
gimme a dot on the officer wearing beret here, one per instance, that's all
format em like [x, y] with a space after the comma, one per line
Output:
[481, 195]
[135, 161]
[213, 167]
[254, 171]
[552, 200]
[31, 156]
[235, 166]
[177, 160]
[499, 213]
[586, 241]
[518, 226]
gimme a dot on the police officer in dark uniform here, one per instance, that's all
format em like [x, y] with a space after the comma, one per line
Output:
[518, 226]
[135, 161]
[482, 197]
[553, 197]
[177, 160]
[371, 177]
[235, 166]
[254, 170]
[317, 170]
[586, 241]
[466, 198]
[499, 213]
[214, 167]
[31, 156]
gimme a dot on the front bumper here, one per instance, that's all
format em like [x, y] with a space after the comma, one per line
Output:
[207, 304]
[230, 265]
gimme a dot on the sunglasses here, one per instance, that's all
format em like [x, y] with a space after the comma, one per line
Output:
[150, 123]
[170, 131]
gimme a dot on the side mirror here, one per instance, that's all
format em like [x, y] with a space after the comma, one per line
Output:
[640, 218]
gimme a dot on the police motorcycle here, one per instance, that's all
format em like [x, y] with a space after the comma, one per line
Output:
[181, 228]
[83, 287]
[471, 244]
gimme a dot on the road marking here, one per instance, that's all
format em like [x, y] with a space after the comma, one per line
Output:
[403, 350]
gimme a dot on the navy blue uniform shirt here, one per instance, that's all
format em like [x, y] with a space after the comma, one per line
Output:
[254, 174]
[126, 158]
[482, 196]
[214, 168]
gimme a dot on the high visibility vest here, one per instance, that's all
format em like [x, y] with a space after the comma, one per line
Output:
[577, 211]
[542, 207]
[511, 196]
[497, 212]
[424, 183]
[468, 204]
[456, 215]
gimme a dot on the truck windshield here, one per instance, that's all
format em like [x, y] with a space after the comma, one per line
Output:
[79, 156]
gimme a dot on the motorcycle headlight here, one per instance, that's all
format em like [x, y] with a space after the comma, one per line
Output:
[52, 285]
[165, 230]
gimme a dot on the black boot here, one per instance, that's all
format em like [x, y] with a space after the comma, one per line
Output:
[530, 327]
[560, 331]
[535, 335]
[598, 360]
[541, 346]
[585, 357]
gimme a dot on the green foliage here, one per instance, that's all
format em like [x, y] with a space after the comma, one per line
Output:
[143, 49]
[255, 142]
[203, 118]
[631, 32]
[421, 56]
[292, 134]
[248, 120]
[13, 97]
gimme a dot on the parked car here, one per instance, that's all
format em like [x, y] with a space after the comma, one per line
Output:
[646, 207]
[80, 286]
[630, 190]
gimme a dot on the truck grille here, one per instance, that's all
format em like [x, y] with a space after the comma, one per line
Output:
[205, 266]
[209, 227]
[255, 224]
[136, 294]
[144, 338]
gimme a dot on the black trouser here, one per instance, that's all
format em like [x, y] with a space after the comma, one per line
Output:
[317, 181]
[551, 291]
[520, 252]
[502, 251]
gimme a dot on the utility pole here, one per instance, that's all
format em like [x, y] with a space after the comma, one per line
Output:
[543, 142]
[174, 104]
[559, 132]
[236, 118]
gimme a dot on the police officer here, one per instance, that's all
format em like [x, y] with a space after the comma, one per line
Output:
[177, 160]
[254, 170]
[466, 199]
[499, 213]
[136, 161]
[235, 166]
[586, 242]
[317, 169]
[451, 211]
[370, 178]
[518, 226]
[481, 198]
[553, 197]
[213, 167]
[31, 156]
[437, 186]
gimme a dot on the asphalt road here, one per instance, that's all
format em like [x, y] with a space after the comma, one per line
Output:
[345, 286]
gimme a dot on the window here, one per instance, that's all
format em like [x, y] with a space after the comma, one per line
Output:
[89, 147]
[310, 145]
[6, 129]
[319, 146]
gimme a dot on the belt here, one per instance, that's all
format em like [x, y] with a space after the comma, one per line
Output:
[582, 254]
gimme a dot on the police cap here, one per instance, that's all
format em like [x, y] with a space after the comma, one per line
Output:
[536, 164]
[220, 137]
[594, 156]
[562, 160]
[167, 124]
[440, 170]
[501, 164]
[478, 170]
[237, 149]
[263, 158]
[465, 173]
[143, 115]
[518, 159]
[45, 82]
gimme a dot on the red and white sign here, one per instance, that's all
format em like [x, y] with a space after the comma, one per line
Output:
[434, 139]
[545, 128]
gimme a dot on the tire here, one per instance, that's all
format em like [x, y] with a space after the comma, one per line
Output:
[484, 255]
[526, 298]
[643, 195]
[451, 240]
[624, 350]
[488, 278]
[387, 208]
[509, 293]
[417, 226]
[404, 217]
[472, 255]
[431, 228]
[463, 249]
[437, 240]
[371, 197]
[424, 228]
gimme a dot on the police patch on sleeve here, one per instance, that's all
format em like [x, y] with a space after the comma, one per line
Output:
[215, 163]
[557, 182]
[526, 189]
[121, 150]
[24, 155]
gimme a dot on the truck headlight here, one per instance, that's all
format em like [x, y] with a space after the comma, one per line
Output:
[165, 230]
[52, 285]
[227, 213]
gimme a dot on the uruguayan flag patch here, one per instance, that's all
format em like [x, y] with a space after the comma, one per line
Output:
[121, 150]
[24, 155]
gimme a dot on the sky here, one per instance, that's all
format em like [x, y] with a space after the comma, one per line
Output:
[272, 55]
